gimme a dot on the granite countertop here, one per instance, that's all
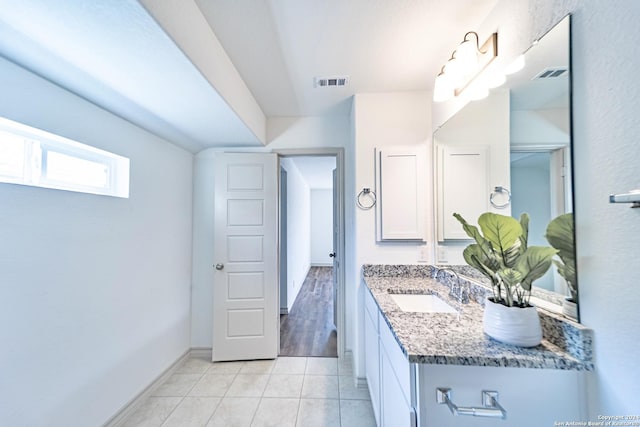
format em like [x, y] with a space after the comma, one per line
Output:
[455, 339]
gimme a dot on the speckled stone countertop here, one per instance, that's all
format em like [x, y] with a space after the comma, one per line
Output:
[454, 339]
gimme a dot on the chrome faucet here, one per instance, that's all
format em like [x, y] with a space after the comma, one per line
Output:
[458, 290]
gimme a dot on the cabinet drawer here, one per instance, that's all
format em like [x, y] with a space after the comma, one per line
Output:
[397, 359]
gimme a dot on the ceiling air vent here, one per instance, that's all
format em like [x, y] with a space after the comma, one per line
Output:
[334, 81]
[551, 73]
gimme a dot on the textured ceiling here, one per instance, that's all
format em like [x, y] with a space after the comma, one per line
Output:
[279, 46]
[116, 55]
[123, 56]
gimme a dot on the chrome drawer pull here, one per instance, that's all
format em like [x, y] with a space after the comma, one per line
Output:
[491, 408]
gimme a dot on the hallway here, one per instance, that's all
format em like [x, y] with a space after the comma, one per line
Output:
[308, 329]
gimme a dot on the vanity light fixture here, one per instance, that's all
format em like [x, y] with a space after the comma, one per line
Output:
[465, 64]
[515, 66]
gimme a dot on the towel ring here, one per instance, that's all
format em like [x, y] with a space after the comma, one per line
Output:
[372, 196]
[500, 190]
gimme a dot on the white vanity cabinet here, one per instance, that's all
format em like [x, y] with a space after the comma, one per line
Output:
[462, 187]
[531, 397]
[372, 352]
[404, 393]
[387, 370]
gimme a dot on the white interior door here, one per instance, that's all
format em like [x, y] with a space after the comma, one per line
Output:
[334, 253]
[245, 294]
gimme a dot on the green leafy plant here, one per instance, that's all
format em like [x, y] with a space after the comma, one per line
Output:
[501, 253]
[560, 235]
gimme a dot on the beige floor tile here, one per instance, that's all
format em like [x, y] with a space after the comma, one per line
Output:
[356, 413]
[290, 365]
[320, 387]
[348, 389]
[194, 365]
[177, 385]
[248, 385]
[322, 366]
[213, 385]
[225, 367]
[192, 412]
[284, 386]
[257, 367]
[152, 412]
[276, 412]
[234, 412]
[319, 413]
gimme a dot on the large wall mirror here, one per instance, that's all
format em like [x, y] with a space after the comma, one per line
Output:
[516, 144]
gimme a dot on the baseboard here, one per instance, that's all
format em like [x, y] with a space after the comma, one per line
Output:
[321, 264]
[361, 382]
[202, 352]
[134, 403]
[284, 310]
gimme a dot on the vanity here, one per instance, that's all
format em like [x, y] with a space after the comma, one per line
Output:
[414, 359]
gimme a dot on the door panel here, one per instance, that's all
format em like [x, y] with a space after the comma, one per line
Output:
[336, 264]
[245, 314]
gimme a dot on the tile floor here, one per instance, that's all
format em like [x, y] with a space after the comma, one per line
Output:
[288, 391]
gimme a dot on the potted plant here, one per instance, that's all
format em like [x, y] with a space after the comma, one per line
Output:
[501, 253]
[560, 235]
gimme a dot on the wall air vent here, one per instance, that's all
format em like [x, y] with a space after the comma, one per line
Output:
[552, 73]
[333, 81]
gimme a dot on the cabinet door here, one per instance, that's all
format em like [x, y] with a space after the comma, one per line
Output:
[462, 187]
[396, 411]
[531, 397]
[372, 362]
[401, 193]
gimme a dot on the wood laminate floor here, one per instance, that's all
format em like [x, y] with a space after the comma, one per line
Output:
[308, 329]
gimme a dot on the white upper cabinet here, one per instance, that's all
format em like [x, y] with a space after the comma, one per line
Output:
[462, 187]
[401, 190]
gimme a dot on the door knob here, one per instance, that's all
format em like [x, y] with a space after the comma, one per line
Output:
[332, 255]
[219, 266]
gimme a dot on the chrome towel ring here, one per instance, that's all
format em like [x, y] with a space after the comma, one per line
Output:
[500, 190]
[371, 196]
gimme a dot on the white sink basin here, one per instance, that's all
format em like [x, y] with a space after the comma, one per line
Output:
[421, 303]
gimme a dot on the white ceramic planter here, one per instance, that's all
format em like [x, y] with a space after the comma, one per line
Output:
[512, 325]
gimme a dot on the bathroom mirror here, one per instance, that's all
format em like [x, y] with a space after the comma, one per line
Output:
[523, 130]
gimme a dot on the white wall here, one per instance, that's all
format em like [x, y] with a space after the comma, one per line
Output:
[308, 132]
[94, 290]
[298, 230]
[383, 120]
[283, 133]
[606, 130]
[321, 226]
[605, 161]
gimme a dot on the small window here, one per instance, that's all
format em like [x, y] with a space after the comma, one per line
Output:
[30, 156]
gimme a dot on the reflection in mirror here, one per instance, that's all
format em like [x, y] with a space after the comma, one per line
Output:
[519, 140]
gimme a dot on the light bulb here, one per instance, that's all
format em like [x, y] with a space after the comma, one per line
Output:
[495, 80]
[442, 90]
[515, 66]
[467, 57]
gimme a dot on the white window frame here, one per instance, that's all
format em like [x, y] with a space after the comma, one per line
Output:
[38, 144]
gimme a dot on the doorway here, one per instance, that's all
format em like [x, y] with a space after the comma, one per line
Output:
[311, 253]
[539, 187]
